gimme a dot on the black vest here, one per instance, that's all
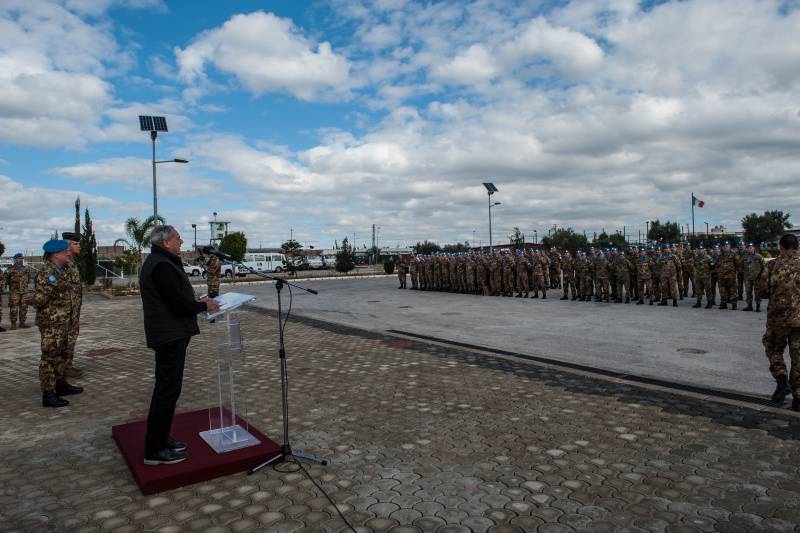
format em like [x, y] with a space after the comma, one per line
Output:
[160, 324]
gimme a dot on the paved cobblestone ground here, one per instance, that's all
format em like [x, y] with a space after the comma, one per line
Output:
[420, 437]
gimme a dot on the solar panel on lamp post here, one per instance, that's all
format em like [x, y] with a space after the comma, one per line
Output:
[154, 125]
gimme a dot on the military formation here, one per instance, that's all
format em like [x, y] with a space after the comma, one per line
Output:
[652, 274]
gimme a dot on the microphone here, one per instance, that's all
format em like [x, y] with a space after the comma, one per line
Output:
[211, 250]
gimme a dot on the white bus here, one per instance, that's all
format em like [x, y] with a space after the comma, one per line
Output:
[263, 262]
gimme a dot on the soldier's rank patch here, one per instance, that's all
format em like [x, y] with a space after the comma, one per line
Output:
[51, 278]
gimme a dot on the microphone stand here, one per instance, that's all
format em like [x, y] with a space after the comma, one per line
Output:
[286, 448]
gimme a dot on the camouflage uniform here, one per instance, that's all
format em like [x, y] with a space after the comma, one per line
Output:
[522, 276]
[508, 276]
[2, 284]
[54, 301]
[655, 269]
[753, 268]
[214, 273]
[481, 279]
[645, 276]
[741, 276]
[537, 271]
[17, 280]
[495, 276]
[676, 258]
[726, 271]
[555, 270]
[669, 279]
[73, 277]
[781, 284]
[568, 275]
[621, 265]
[714, 274]
[702, 280]
[412, 267]
[688, 272]
[601, 271]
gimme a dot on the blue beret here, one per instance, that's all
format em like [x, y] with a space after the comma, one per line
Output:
[18, 254]
[54, 246]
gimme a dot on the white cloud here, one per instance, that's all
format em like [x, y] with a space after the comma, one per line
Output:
[265, 53]
[472, 66]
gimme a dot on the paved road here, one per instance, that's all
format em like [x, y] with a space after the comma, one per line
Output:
[709, 348]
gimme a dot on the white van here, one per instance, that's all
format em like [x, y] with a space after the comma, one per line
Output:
[263, 262]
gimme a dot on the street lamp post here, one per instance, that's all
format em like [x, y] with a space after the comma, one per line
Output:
[194, 227]
[491, 189]
[154, 125]
[647, 236]
[706, 230]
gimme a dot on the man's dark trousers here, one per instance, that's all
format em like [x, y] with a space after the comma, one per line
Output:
[170, 358]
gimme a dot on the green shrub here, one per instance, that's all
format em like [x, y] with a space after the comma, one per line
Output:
[388, 266]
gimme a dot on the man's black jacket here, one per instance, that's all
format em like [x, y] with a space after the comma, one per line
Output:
[168, 301]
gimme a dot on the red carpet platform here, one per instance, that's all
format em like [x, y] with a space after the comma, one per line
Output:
[203, 463]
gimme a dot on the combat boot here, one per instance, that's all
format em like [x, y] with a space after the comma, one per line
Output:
[640, 302]
[519, 295]
[23, 325]
[627, 300]
[13, 325]
[674, 303]
[697, 305]
[663, 303]
[564, 298]
[796, 404]
[2, 329]
[65, 389]
[748, 308]
[733, 306]
[651, 302]
[74, 372]
[709, 305]
[782, 389]
[51, 399]
[723, 306]
[544, 296]
[758, 308]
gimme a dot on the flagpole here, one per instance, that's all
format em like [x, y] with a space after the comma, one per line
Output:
[693, 214]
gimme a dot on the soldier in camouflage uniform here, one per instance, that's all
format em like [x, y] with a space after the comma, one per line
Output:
[678, 260]
[508, 275]
[537, 275]
[611, 261]
[481, 276]
[522, 266]
[213, 274]
[715, 253]
[669, 278]
[76, 286]
[401, 273]
[568, 275]
[644, 275]
[726, 271]
[753, 268]
[555, 269]
[54, 303]
[17, 278]
[781, 284]
[412, 269]
[701, 280]
[655, 269]
[601, 272]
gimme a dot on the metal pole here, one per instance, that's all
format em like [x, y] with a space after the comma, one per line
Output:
[153, 135]
[491, 248]
[692, 214]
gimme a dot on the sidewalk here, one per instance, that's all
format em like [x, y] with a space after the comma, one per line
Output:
[420, 437]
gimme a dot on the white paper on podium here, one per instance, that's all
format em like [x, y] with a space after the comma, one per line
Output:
[229, 301]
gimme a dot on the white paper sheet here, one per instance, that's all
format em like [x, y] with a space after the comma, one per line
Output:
[229, 301]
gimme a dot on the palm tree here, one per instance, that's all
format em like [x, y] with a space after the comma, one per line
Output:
[138, 238]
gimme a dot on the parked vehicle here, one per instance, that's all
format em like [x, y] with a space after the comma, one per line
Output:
[193, 270]
[263, 262]
[314, 262]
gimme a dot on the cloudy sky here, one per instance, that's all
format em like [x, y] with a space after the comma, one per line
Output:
[323, 118]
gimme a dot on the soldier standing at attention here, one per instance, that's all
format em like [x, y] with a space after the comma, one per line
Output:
[568, 275]
[54, 302]
[688, 270]
[669, 278]
[76, 287]
[213, 273]
[645, 276]
[401, 273]
[781, 284]
[753, 268]
[702, 279]
[412, 268]
[2, 284]
[623, 278]
[726, 271]
[17, 277]
[601, 270]
[741, 277]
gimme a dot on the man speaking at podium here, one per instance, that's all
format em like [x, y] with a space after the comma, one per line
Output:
[170, 321]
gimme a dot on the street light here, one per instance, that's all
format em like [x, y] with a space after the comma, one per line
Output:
[154, 125]
[706, 229]
[194, 227]
[491, 189]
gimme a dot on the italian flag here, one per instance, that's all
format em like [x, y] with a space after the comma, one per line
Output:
[697, 201]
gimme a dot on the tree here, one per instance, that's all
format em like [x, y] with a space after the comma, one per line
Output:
[291, 247]
[765, 228]
[345, 257]
[517, 238]
[2, 248]
[235, 245]
[427, 248]
[565, 239]
[88, 258]
[138, 233]
[664, 231]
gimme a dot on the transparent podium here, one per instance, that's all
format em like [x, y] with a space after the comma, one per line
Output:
[225, 433]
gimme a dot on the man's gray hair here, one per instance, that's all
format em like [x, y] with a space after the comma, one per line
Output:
[159, 234]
